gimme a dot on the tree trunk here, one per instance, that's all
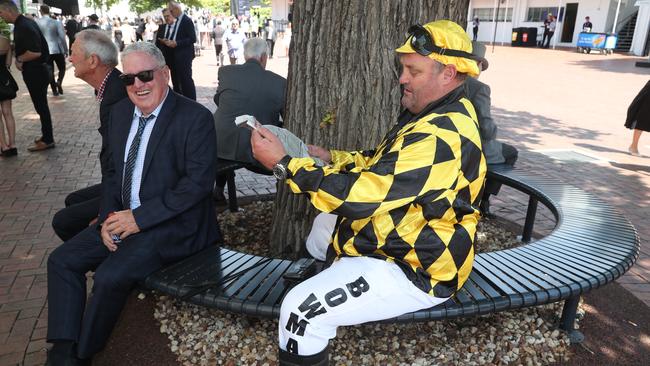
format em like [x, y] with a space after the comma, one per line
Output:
[343, 89]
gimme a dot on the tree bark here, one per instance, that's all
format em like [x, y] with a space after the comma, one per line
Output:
[343, 90]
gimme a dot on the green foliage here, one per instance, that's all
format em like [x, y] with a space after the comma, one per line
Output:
[4, 29]
[142, 6]
[217, 6]
[101, 4]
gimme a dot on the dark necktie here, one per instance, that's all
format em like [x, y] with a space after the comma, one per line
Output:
[131, 159]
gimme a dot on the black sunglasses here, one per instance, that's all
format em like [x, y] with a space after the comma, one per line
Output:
[422, 42]
[144, 76]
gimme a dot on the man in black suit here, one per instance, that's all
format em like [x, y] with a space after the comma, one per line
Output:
[165, 30]
[181, 42]
[32, 53]
[94, 61]
[155, 209]
[246, 89]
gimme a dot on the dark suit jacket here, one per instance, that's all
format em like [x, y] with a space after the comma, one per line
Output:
[166, 51]
[245, 89]
[176, 211]
[479, 94]
[185, 39]
[114, 91]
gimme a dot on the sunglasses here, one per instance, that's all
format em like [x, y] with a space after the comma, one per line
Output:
[144, 76]
[422, 42]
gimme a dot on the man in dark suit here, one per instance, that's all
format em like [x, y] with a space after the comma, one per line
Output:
[246, 89]
[155, 209]
[165, 30]
[181, 42]
[95, 63]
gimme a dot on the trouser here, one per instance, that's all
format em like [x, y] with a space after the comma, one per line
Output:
[36, 78]
[475, 31]
[59, 60]
[173, 74]
[353, 290]
[548, 40]
[70, 42]
[184, 76]
[492, 187]
[271, 44]
[90, 324]
[81, 207]
[217, 49]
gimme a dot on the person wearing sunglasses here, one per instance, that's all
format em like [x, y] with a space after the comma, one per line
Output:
[156, 207]
[94, 61]
[402, 216]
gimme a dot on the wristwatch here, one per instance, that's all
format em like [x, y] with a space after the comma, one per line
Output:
[280, 170]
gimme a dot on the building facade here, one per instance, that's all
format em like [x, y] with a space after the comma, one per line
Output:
[630, 19]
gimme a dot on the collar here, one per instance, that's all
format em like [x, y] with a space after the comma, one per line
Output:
[454, 95]
[156, 112]
[100, 91]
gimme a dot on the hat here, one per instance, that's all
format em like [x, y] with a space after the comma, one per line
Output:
[478, 51]
[93, 17]
[447, 35]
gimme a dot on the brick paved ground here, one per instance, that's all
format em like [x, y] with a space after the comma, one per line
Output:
[543, 100]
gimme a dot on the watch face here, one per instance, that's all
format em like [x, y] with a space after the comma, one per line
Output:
[279, 172]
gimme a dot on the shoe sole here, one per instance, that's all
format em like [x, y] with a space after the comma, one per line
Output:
[39, 149]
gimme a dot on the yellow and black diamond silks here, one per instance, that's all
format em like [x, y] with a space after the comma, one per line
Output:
[413, 200]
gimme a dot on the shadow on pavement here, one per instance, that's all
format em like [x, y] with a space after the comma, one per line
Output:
[621, 66]
[525, 127]
[632, 167]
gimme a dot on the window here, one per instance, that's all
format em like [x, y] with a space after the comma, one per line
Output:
[486, 14]
[539, 14]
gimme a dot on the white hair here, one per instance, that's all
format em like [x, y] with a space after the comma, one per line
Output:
[96, 42]
[146, 47]
[255, 48]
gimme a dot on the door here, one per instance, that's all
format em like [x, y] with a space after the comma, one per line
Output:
[569, 22]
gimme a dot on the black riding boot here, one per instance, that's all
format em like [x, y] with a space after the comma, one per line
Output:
[322, 358]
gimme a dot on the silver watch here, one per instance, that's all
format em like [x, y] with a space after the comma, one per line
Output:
[280, 169]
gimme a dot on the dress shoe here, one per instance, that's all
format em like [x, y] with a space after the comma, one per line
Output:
[40, 146]
[55, 90]
[9, 152]
[58, 85]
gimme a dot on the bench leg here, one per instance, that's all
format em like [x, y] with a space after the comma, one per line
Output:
[567, 321]
[530, 220]
[232, 192]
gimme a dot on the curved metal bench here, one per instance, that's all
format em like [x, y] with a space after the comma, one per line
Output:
[592, 244]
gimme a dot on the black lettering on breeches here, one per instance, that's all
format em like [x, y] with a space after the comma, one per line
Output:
[311, 308]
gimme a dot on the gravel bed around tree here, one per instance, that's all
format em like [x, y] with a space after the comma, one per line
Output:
[201, 336]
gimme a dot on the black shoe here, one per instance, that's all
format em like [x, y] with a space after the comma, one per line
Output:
[58, 85]
[9, 152]
[322, 358]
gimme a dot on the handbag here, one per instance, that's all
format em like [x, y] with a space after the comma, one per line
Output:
[8, 88]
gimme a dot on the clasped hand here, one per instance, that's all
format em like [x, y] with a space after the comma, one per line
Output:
[121, 223]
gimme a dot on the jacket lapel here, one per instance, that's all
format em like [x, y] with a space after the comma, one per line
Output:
[162, 122]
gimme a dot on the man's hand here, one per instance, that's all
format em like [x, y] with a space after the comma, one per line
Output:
[267, 148]
[19, 65]
[121, 223]
[319, 152]
[169, 43]
[107, 240]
